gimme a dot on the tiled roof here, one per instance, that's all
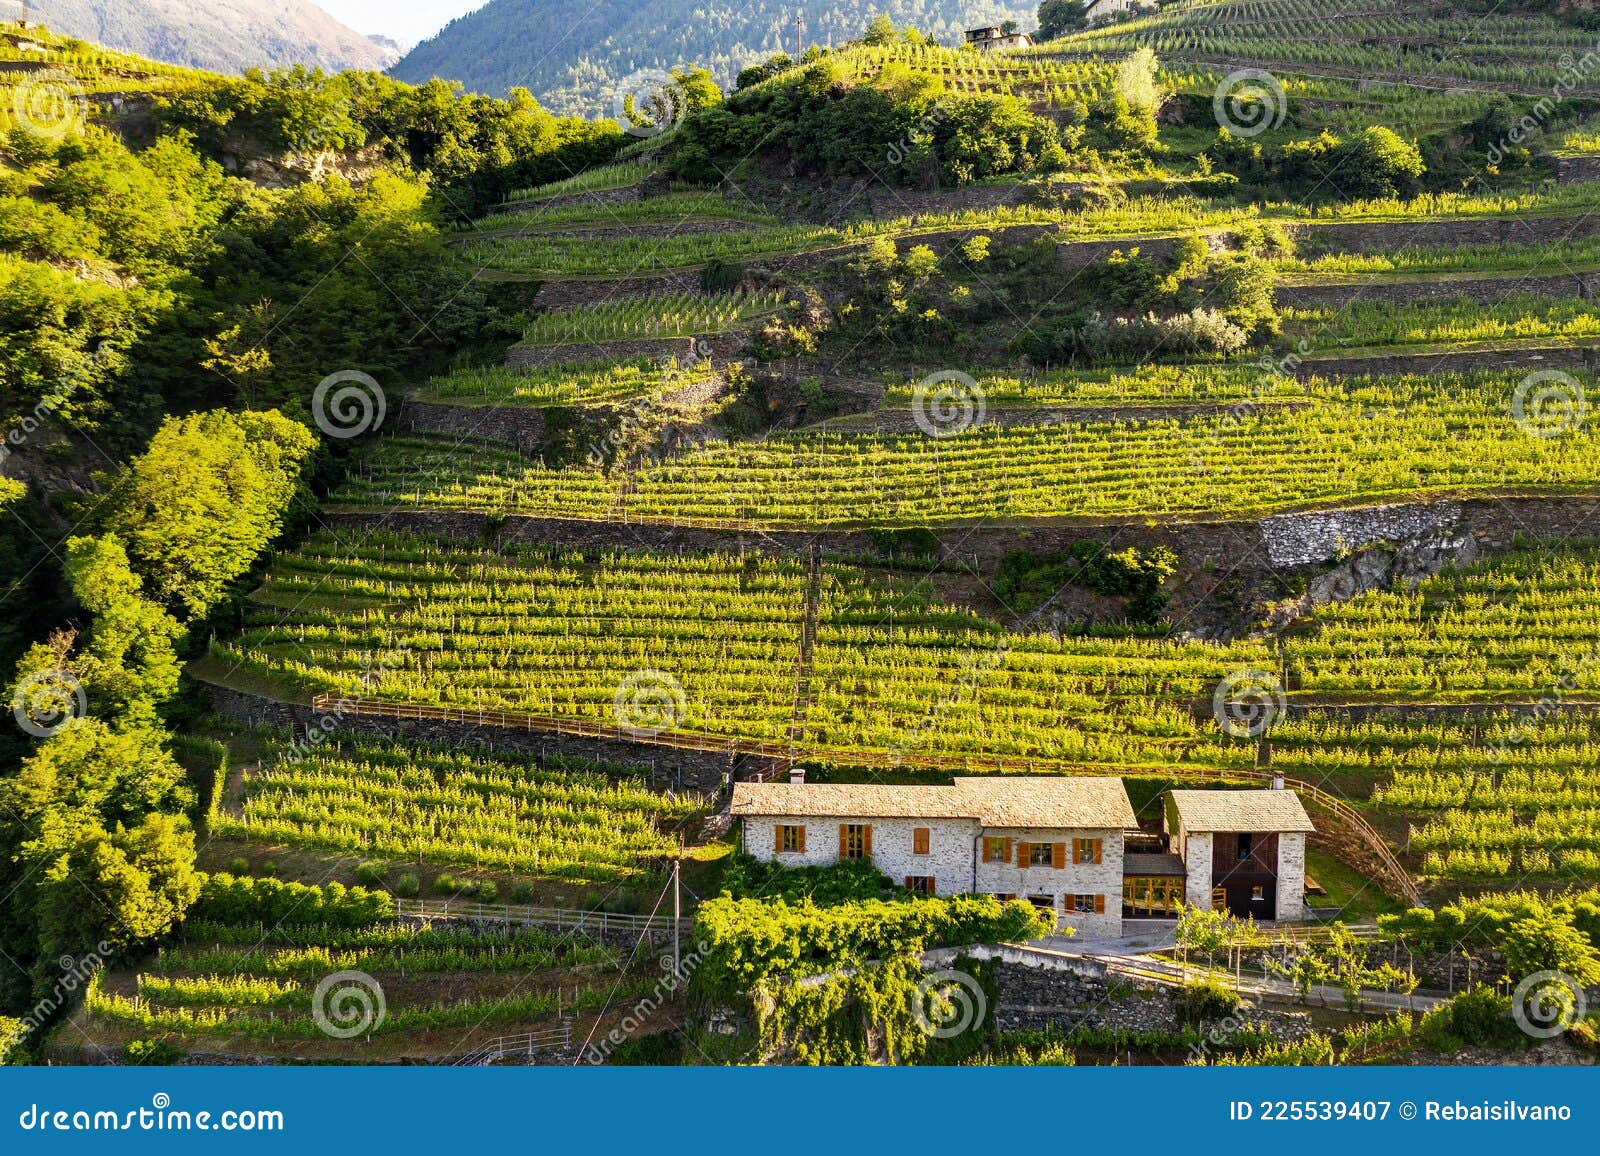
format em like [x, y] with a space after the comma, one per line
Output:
[1054, 801]
[1144, 863]
[1255, 812]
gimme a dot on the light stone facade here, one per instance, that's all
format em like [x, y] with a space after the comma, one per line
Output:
[1196, 853]
[1292, 875]
[954, 860]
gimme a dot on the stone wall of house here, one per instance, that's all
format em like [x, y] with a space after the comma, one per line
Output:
[949, 857]
[705, 771]
[1291, 875]
[1063, 884]
[1197, 861]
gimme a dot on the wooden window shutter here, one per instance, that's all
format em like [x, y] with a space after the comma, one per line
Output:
[1006, 858]
[777, 838]
[802, 844]
[1099, 904]
[1099, 849]
[866, 841]
[844, 840]
[919, 841]
[1022, 853]
[1058, 855]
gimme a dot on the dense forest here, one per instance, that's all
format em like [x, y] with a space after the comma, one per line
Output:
[577, 57]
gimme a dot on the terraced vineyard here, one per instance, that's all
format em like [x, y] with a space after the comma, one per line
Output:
[1356, 443]
[400, 803]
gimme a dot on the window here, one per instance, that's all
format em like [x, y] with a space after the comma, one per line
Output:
[1043, 902]
[1083, 904]
[921, 884]
[855, 841]
[920, 838]
[791, 839]
[1258, 892]
[1219, 899]
[1087, 850]
[996, 849]
[1039, 855]
[1145, 895]
[1244, 847]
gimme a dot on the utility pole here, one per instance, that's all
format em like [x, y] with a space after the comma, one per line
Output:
[677, 915]
[799, 37]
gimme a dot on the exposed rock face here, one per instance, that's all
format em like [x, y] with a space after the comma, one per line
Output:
[1379, 567]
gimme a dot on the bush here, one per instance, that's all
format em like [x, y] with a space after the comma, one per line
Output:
[853, 879]
[446, 884]
[521, 892]
[487, 891]
[150, 1054]
[1476, 1018]
[230, 899]
[240, 866]
[370, 874]
[1207, 1000]
[407, 886]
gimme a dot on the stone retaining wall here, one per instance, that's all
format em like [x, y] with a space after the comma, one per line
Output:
[1554, 356]
[669, 768]
[1482, 290]
[521, 425]
[1267, 544]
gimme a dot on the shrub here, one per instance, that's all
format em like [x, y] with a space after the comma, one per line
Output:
[230, 899]
[240, 866]
[150, 1053]
[370, 874]
[1204, 1001]
[521, 892]
[487, 891]
[407, 886]
[446, 884]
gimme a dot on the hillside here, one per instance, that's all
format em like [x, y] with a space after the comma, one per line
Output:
[219, 35]
[573, 54]
[417, 561]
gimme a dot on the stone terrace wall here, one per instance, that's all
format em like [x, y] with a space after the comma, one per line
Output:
[573, 291]
[1552, 356]
[1378, 236]
[522, 426]
[695, 770]
[1262, 545]
[1483, 290]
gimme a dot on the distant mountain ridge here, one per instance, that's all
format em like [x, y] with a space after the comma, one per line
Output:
[573, 54]
[220, 35]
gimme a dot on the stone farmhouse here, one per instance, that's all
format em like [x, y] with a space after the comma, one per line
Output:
[1059, 841]
[991, 39]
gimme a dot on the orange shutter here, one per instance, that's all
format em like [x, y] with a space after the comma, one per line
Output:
[1058, 855]
[1099, 848]
[844, 840]
[933, 885]
[801, 846]
[866, 841]
[777, 838]
[1099, 904]
[919, 841]
[1022, 854]
[1006, 858]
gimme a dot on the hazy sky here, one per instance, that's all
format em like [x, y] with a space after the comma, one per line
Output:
[407, 21]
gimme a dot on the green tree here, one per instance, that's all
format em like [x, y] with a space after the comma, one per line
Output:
[1546, 941]
[210, 493]
[1059, 17]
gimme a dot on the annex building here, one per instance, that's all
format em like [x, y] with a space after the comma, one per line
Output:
[1069, 843]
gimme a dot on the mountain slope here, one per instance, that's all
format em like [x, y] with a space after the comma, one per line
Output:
[572, 54]
[220, 35]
